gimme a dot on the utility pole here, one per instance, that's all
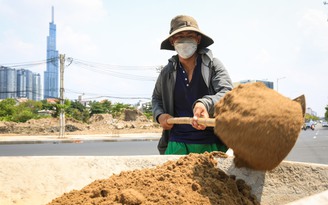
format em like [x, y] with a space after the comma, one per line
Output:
[62, 111]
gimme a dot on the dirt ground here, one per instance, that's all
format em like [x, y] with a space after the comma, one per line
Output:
[131, 122]
[192, 179]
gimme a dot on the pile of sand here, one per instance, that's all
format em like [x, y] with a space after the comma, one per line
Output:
[192, 179]
[259, 124]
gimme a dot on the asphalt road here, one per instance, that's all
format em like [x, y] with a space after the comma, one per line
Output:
[86, 148]
[311, 146]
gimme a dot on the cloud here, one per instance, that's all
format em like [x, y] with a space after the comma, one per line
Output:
[13, 44]
[313, 27]
[75, 43]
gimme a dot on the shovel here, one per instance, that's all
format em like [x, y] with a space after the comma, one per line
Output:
[265, 153]
[210, 122]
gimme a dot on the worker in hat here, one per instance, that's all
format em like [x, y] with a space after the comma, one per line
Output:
[190, 85]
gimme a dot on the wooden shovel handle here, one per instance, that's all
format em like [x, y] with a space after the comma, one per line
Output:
[208, 122]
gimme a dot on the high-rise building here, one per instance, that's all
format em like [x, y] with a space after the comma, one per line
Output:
[8, 85]
[269, 84]
[29, 84]
[20, 83]
[51, 75]
[36, 87]
[25, 84]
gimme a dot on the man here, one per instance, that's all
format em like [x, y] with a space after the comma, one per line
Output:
[189, 86]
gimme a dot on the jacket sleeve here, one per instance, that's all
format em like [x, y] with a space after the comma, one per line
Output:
[158, 108]
[220, 84]
[157, 101]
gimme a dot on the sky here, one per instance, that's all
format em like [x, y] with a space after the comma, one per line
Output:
[112, 48]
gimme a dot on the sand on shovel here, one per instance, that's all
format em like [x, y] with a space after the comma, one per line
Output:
[259, 124]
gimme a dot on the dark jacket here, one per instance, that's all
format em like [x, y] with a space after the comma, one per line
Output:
[215, 76]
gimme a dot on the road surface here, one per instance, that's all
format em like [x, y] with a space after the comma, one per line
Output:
[311, 146]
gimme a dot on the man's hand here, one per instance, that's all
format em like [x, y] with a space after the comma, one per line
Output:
[199, 112]
[162, 119]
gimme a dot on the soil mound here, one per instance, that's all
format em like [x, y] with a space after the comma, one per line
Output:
[192, 179]
[134, 115]
[259, 124]
[132, 122]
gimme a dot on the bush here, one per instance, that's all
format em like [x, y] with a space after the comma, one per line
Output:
[23, 116]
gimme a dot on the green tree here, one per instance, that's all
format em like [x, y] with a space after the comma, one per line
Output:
[147, 110]
[58, 107]
[49, 106]
[326, 114]
[23, 115]
[77, 105]
[96, 108]
[107, 105]
[78, 111]
[309, 117]
[118, 109]
[102, 107]
[33, 106]
[7, 109]
[26, 111]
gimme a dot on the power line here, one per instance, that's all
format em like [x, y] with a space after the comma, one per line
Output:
[116, 67]
[94, 67]
[28, 64]
[117, 97]
[107, 69]
[97, 96]
[111, 70]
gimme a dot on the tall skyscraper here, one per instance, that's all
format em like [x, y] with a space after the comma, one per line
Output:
[21, 83]
[36, 94]
[25, 84]
[8, 79]
[51, 75]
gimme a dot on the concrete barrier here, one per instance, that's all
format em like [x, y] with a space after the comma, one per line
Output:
[38, 180]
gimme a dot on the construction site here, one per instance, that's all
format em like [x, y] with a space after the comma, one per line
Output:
[256, 173]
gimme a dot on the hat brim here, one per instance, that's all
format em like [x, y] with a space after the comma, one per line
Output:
[205, 41]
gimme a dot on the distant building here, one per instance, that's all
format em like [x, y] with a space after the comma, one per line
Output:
[269, 84]
[29, 84]
[51, 75]
[36, 87]
[311, 112]
[8, 79]
[19, 84]
[143, 105]
[85, 103]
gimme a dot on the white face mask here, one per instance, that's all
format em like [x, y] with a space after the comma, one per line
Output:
[185, 47]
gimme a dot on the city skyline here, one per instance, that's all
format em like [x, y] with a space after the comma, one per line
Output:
[19, 83]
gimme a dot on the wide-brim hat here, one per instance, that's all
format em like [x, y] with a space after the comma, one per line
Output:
[185, 23]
